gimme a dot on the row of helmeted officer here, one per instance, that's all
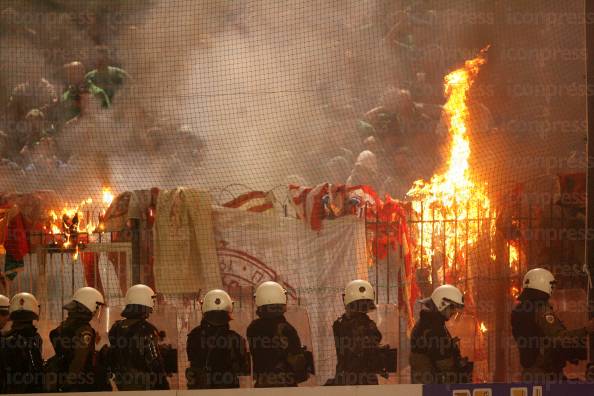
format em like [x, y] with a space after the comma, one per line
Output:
[134, 357]
[218, 355]
[544, 343]
[135, 360]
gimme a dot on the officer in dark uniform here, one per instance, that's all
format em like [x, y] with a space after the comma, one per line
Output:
[279, 359]
[217, 355]
[4, 314]
[73, 367]
[135, 355]
[435, 355]
[21, 364]
[544, 343]
[357, 338]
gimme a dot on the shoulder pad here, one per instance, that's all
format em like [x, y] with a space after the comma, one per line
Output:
[150, 325]
[195, 331]
[146, 328]
[550, 318]
[86, 337]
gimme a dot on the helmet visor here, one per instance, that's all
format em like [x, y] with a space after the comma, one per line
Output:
[454, 304]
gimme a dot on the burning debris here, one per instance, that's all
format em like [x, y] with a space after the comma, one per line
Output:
[70, 229]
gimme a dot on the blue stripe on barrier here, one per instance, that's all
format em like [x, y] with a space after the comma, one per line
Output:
[509, 390]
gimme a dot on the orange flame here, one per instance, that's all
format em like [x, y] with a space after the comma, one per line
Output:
[453, 197]
[107, 196]
[514, 257]
[57, 220]
[483, 328]
[514, 291]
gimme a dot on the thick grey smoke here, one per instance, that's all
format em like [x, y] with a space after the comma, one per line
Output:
[260, 93]
[220, 93]
[266, 85]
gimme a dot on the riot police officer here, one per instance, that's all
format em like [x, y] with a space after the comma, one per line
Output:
[544, 343]
[21, 364]
[4, 314]
[435, 355]
[73, 368]
[217, 355]
[278, 357]
[357, 337]
[135, 356]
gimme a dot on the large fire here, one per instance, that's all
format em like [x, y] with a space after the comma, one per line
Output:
[65, 227]
[452, 201]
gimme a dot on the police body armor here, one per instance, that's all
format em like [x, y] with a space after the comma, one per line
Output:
[135, 357]
[358, 351]
[217, 356]
[72, 369]
[21, 364]
[545, 345]
[278, 356]
[435, 355]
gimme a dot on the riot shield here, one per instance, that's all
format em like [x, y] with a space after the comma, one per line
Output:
[101, 323]
[571, 307]
[298, 317]
[165, 319]
[464, 327]
[386, 318]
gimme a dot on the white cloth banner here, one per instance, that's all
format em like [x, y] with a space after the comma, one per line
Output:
[313, 266]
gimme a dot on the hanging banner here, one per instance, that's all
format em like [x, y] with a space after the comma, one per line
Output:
[313, 266]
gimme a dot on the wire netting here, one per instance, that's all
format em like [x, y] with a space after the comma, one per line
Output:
[224, 98]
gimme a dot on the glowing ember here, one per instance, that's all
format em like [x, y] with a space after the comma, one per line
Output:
[514, 257]
[107, 196]
[483, 328]
[514, 291]
[55, 230]
[452, 201]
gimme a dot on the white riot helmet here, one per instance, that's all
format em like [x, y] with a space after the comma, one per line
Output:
[91, 298]
[358, 290]
[140, 295]
[539, 279]
[24, 302]
[4, 303]
[217, 300]
[270, 293]
[446, 296]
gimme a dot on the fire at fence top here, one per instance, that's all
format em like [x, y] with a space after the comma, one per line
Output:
[269, 293]
[539, 279]
[140, 295]
[217, 300]
[358, 290]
